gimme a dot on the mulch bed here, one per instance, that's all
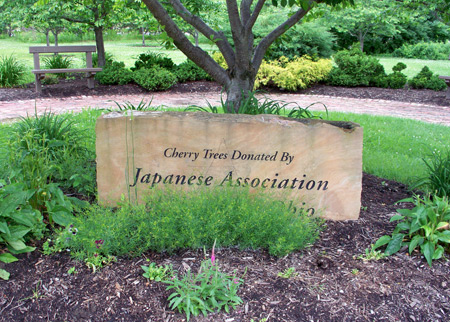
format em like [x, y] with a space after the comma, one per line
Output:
[78, 87]
[331, 283]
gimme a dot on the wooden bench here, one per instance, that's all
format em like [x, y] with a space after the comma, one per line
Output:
[445, 78]
[40, 73]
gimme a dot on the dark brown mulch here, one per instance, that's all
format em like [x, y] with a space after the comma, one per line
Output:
[78, 87]
[331, 284]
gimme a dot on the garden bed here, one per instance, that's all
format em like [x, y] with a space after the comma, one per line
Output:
[330, 282]
[77, 87]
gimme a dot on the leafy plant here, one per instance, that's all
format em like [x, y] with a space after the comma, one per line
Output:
[150, 60]
[288, 273]
[372, 254]
[292, 74]
[254, 106]
[142, 106]
[109, 59]
[189, 71]
[424, 50]
[114, 73]
[234, 216]
[426, 79]
[355, 68]
[424, 227]
[207, 291]
[12, 72]
[438, 177]
[58, 62]
[155, 78]
[157, 273]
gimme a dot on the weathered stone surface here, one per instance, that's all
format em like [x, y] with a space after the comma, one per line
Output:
[313, 163]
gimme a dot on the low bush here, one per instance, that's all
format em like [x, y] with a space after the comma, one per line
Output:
[437, 179]
[115, 73]
[424, 227]
[424, 50]
[426, 79]
[189, 71]
[58, 62]
[155, 78]
[150, 59]
[308, 39]
[12, 72]
[50, 148]
[173, 219]
[299, 73]
[354, 68]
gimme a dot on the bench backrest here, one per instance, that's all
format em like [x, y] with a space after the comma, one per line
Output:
[62, 49]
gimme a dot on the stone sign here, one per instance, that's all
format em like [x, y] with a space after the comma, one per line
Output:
[312, 164]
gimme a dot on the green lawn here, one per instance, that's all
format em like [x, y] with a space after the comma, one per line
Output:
[440, 67]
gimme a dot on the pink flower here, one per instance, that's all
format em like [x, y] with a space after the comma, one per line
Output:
[213, 258]
[236, 281]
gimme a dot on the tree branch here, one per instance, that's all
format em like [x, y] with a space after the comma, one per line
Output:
[196, 54]
[218, 37]
[251, 22]
[277, 32]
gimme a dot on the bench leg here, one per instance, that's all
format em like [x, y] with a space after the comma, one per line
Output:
[90, 80]
[37, 78]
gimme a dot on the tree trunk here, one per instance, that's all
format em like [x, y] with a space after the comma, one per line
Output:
[361, 41]
[143, 36]
[240, 86]
[47, 37]
[100, 46]
[55, 34]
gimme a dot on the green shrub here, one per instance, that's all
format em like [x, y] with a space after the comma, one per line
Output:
[396, 80]
[114, 73]
[12, 72]
[155, 78]
[426, 79]
[424, 50]
[150, 59]
[50, 148]
[311, 39]
[424, 227]
[354, 68]
[189, 71]
[299, 73]
[58, 62]
[437, 180]
[172, 219]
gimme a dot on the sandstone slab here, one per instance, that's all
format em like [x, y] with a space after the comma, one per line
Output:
[312, 164]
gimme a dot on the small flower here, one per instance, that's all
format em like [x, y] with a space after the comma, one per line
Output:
[99, 243]
[73, 230]
[236, 281]
[95, 255]
[213, 258]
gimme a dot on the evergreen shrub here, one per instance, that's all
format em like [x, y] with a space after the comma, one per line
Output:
[150, 59]
[354, 68]
[155, 78]
[189, 71]
[426, 79]
[114, 73]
